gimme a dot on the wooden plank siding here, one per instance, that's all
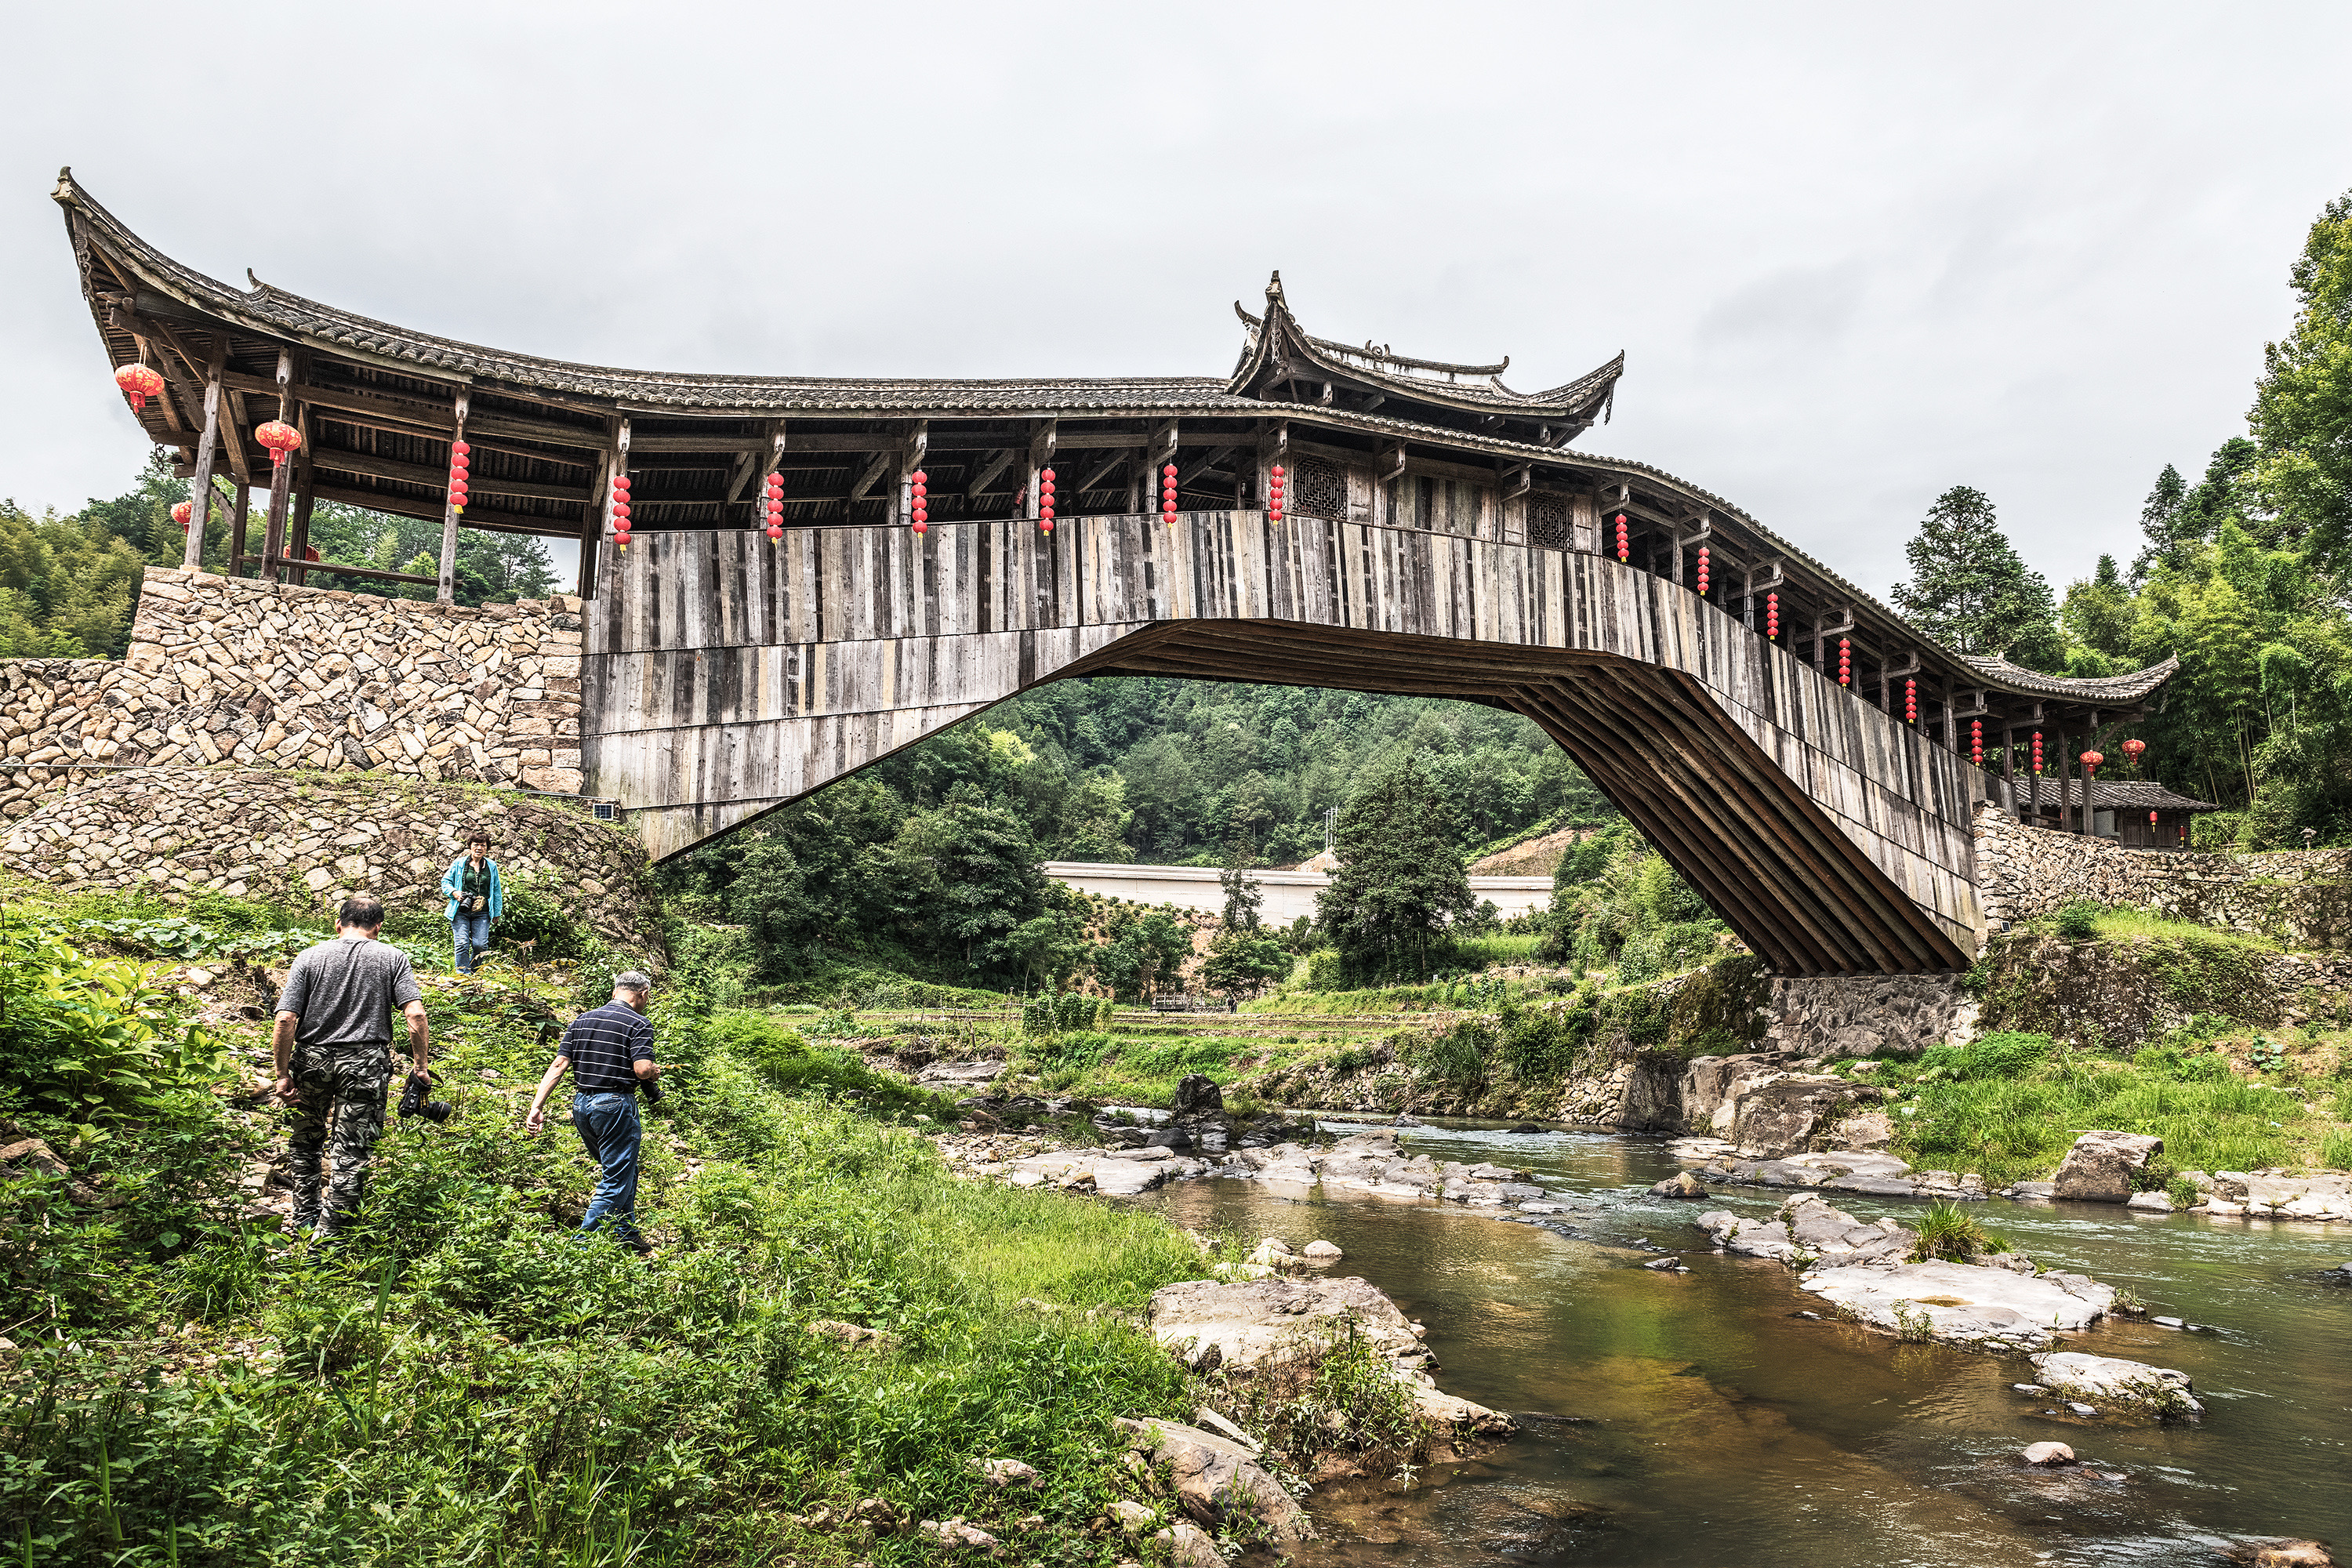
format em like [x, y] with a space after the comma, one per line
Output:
[725, 675]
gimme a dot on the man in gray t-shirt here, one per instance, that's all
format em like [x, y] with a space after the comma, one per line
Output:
[334, 1025]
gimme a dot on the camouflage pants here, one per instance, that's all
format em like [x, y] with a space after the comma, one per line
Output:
[339, 1100]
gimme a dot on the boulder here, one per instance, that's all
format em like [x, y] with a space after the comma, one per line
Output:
[2049, 1454]
[2100, 1167]
[2149, 1203]
[2281, 1554]
[1712, 1086]
[1189, 1546]
[1868, 1129]
[1322, 1251]
[1240, 1326]
[1682, 1185]
[2158, 1391]
[1808, 1228]
[1196, 1092]
[1783, 1116]
[1961, 1304]
[1216, 1477]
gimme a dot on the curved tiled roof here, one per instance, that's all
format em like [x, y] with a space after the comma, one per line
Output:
[273, 313]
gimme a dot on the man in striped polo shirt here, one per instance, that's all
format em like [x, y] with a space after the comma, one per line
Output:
[610, 1053]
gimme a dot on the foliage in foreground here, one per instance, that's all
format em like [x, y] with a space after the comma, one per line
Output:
[463, 1382]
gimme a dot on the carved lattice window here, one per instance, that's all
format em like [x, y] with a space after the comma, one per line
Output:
[1548, 521]
[1318, 489]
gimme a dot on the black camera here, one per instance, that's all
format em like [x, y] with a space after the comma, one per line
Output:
[413, 1103]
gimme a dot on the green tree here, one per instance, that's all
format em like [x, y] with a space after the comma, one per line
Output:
[1048, 949]
[1970, 589]
[2160, 519]
[1145, 948]
[989, 883]
[1242, 960]
[1244, 892]
[2302, 417]
[1401, 879]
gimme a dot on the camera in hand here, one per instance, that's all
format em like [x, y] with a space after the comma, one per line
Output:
[413, 1103]
[652, 1086]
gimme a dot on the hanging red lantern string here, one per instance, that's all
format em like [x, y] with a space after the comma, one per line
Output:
[1771, 607]
[1624, 550]
[457, 464]
[919, 493]
[1168, 494]
[140, 383]
[1976, 741]
[620, 510]
[2091, 761]
[1910, 702]
[2037, 750]
[775, 506]
[280, 438]
[1045, 501]
[1702, 571]
[2132, 749]
[1846, 661]
[1273, 494]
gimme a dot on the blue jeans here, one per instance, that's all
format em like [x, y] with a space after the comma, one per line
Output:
[608, 1126]
[470, 935]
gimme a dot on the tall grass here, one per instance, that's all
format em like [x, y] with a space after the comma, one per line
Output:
[464, 1381]
[2013, 1128]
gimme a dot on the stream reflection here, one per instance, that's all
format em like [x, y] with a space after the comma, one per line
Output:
[1695, 1418]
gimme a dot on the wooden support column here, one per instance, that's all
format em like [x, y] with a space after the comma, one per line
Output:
[1760, 580]
[1041, 457]
[238, 504]
[446, 590]
[2008, 770]
[2068, 813]
[200, 488]
[591, 524]
[273, 533]
[299, 530]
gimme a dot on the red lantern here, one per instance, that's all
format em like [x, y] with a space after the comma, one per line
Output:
[1624, 550]
[1045, 501]
[458, 448]
[2132, 749]
[1911, 702]
[1273, 493]
[1702, 571]
[181, 512]
[140, 383]
[280, 438]
[1846, 661]
[620, 510]
[2037, 750]
[2151, 819]
[621, 483]
[1976, 741]
[1168, 494]
[919, 490]
[1772, 606]
[2091, 761]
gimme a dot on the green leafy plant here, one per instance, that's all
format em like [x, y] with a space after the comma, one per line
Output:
[1948, 1231]
[80, 1036]
[2079, 921]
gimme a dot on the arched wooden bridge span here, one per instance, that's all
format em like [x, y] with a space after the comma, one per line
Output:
[777, 624]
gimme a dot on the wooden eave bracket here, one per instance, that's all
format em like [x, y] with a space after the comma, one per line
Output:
[1513, 479]
[1391, 462]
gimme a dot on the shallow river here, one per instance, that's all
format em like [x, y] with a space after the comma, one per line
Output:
[1694, 1418]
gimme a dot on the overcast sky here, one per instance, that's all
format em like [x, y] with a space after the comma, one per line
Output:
[1855, 253]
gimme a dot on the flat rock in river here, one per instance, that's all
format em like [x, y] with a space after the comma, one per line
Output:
[1963, 1304]
[2114, 1382]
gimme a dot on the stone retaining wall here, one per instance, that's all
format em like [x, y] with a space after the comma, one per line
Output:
[2300, 898]
[306, 841]
[1868, 1014]
[226, 672]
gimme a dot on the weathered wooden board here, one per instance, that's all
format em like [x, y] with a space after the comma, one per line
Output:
[725, 675]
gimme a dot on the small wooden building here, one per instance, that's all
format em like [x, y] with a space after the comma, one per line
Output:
[2139, 813]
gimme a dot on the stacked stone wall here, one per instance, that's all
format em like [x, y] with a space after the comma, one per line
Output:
[1868, 1014]
[307, 840]
[227, 672]
[2300, 898]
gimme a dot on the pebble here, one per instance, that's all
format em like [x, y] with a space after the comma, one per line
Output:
[2029, 1388]
[2049, 1454]
[2082, 1409]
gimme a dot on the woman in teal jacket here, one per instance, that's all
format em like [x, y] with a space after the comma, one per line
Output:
[471, 886]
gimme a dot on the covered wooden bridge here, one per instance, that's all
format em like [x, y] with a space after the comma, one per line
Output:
[1326, 515]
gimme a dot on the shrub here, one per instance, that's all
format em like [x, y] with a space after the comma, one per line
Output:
[1314, 1395]
[2079, 921]
[532, 916]
[80, 1035]
[1948, 1231]
[1999, 1055]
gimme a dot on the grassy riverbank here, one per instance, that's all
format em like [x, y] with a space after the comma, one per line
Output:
[463, 1381]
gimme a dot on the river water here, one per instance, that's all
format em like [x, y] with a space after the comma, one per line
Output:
[1695, 1418]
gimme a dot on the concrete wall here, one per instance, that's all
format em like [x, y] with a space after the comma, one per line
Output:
[223, 672]
[2301, 898]
[1286, 895]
